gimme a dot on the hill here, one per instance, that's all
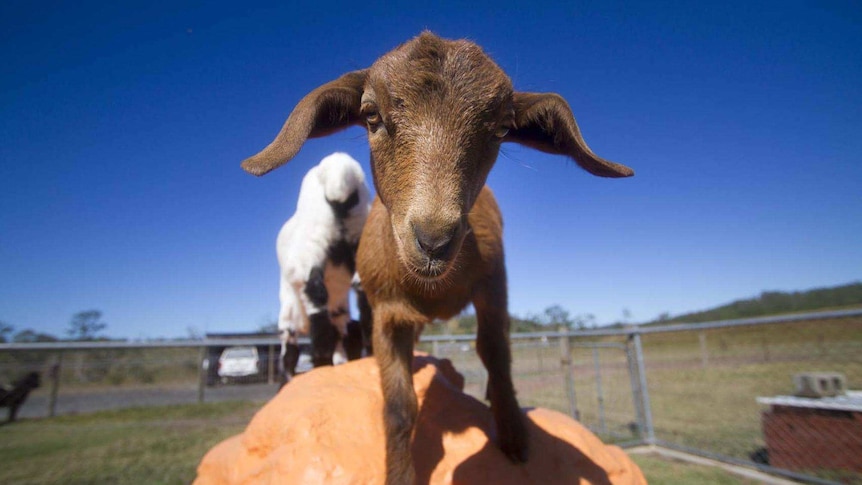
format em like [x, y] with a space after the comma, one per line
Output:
[777, 302]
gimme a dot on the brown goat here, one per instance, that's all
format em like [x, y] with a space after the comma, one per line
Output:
[436, 112]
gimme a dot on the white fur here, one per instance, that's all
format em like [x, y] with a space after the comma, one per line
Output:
[304, 239]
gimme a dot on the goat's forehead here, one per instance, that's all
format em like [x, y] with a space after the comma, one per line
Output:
[429, 66]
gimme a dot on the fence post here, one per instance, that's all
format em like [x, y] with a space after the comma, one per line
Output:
[566, 365]
[644, 392]
[270, 365]
[55, 384]
[435, 348]
[704, 354]
[599, 391]
[202, 373]
[539, 349]
[635, 384]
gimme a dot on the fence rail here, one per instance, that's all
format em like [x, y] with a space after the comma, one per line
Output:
[692, 387]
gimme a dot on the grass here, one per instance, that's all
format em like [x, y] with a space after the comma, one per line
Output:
[154, 445]
[699, 399]
[703, 385]
[660, 471]
[163, 445]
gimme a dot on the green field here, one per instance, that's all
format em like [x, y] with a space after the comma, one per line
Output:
[163, 445]
[155, 445]
[703, 387]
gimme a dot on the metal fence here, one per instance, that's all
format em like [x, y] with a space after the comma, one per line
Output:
[709, 389]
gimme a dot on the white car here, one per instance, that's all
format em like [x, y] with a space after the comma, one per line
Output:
[237, 362]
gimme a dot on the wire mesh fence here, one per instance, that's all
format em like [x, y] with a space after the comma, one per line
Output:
[729, 391]
[589, 380]
[724, 390]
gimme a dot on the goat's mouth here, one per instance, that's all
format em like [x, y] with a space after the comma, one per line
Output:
[428, 251]
[430, 269]
[422, 268]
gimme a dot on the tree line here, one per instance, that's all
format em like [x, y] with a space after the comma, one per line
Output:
[774, 303]
[84, 326]
[550, 319]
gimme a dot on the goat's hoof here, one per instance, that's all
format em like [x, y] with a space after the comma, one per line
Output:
[514, 442]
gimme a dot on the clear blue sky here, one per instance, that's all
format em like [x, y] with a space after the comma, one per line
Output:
[122, 125]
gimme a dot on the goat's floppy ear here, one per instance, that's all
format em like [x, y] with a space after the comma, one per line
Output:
[545, 122]
[329, 108]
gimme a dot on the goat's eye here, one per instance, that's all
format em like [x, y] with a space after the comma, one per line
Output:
[372, 116]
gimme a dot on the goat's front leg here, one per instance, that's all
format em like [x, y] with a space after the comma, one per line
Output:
[492, 344]
[289, 355]
[393, 349]
[324, 336]
[365, 321]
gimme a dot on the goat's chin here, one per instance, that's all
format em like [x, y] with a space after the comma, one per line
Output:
[430, 275]
[431, 269]
[429, 279]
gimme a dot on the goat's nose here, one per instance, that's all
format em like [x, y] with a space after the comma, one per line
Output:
[436, 242]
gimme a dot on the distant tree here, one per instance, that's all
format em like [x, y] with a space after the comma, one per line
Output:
[556, 316]
[529, 323]
[467, 324]
[192, 333]
[28, 336]
[627, 315]
[86, 325]
[5, 329]
[268, 325]
[584, 320]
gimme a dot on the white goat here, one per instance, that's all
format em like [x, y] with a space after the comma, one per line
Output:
[317, 254]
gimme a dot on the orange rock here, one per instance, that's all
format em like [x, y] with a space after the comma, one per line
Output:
[326, 427]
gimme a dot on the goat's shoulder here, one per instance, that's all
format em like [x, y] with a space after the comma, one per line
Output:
[486, 223]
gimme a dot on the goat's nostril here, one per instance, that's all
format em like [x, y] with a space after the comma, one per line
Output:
[434, 243]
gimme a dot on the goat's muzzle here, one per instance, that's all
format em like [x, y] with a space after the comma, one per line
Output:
[434, 247]
[435, 243]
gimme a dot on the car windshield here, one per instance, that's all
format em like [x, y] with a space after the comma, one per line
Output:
[239, 352]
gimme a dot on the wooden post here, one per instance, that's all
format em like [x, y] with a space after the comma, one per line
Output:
[704, 353]
[202, 373]
[599, 391]
[55, 385]
[566, 366]
[539, 349]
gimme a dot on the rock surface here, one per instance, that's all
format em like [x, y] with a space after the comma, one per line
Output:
[326, 427]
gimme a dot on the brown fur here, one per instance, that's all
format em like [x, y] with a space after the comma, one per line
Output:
[437, 112]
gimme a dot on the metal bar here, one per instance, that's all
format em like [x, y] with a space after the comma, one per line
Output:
[639, 360]
[736, 461]
[599, 345]
[637, 401]
[568, 379]
[609, 332]
[630, 444]
[599, 392]
[270, 365]
[136, 344]
[796, 317]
